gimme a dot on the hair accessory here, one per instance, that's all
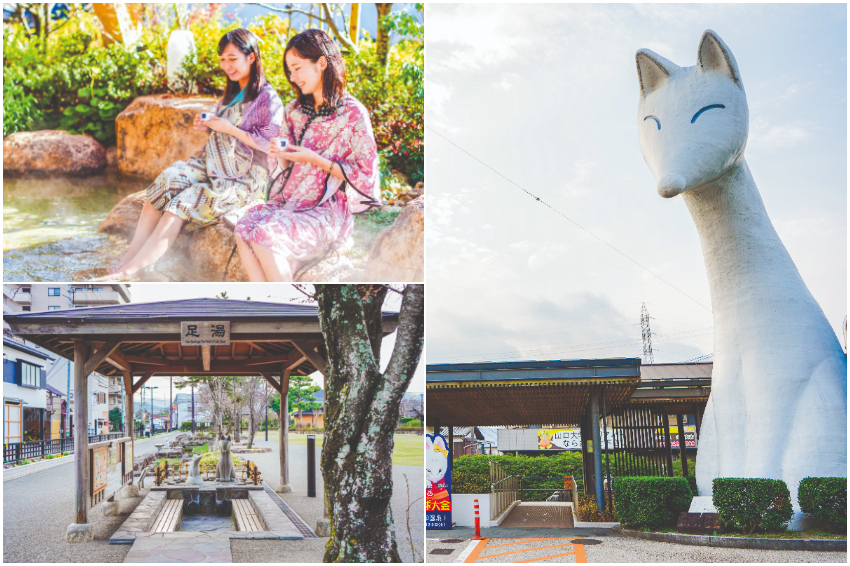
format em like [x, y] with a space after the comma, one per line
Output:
[441, 450]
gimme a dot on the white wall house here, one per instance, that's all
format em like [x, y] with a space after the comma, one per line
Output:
[24, 392]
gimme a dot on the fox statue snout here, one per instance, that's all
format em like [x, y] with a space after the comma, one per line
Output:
[692, 121]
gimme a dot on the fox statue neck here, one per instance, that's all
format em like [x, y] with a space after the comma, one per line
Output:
[752, 278]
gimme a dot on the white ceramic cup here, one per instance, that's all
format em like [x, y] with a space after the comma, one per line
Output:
[206, 116]
[279, 143]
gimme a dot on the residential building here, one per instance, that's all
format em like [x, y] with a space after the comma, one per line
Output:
[311, 418]
[183, 411]
[25, 410]
[40, 297]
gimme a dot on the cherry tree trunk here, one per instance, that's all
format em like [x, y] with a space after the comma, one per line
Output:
[361, 414]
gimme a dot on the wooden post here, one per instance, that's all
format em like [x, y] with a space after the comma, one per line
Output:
[354, 31]
[129, 422]
[81, 432]
[668, 446]
[683, 455]
[284, 431]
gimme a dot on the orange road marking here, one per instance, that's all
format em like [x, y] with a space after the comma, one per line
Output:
[581, 557]
[473, 556]
[525, 550]
[521, 542]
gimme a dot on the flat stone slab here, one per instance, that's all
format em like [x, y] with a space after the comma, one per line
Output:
[180, 547]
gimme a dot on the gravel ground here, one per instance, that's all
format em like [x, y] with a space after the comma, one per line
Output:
[37, 510]
[621, 549]
[311, 508]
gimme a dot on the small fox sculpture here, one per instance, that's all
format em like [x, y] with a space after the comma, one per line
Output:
[224, 470]
[778, 404]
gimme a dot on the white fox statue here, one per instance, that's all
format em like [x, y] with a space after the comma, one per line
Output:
[778, 404]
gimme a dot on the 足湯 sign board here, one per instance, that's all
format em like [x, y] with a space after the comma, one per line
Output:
[205, 333]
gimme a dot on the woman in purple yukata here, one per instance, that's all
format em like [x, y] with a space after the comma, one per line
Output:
[327, 173]
[231, 172]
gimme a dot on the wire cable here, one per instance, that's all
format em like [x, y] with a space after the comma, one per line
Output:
[559, 213]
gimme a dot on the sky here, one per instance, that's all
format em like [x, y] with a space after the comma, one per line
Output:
[273, 293]
[546, 96]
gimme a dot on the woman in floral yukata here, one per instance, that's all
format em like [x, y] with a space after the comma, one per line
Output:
[327, 173]
[231, 172]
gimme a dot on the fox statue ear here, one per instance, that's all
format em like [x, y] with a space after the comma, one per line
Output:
[713, 55]
[428, 444]
[653, 70]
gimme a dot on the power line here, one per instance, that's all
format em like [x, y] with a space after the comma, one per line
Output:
[559, 213]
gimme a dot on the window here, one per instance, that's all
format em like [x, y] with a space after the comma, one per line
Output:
[53, 308]
[12, 422]
[97, 289]
[53, 292]
[30, 375]
[26, 309]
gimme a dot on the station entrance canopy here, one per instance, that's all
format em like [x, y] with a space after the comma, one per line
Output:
[531, 393]
[203, 337]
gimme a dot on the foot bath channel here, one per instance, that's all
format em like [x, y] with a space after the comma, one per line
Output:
[225, 509]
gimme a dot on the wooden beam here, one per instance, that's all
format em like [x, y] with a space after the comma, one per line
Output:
[105, 349]
[118, 360]
[205, 352]
[294, 359]
[87, 327]
[142, 381]
[272, 381]
[307, 349]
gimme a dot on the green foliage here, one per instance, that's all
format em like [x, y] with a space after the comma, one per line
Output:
[553, 468]
[301, 391]
[651, 501]
[825, 499]
[470, 482]
[751, 503]
[588, 511]
[411, 422]
[116, 418]
[20, 110]
[186, 426]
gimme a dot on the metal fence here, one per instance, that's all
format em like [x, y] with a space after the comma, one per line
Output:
[504, 490]
[18, 451]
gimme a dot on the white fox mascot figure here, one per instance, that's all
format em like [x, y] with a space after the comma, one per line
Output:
[778, 404]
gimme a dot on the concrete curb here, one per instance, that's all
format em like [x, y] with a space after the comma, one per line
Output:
[17, 472]
[818, 545]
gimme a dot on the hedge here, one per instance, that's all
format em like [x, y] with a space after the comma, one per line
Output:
[651, 501]
[752, 503]
[474, 472]
[825, 499]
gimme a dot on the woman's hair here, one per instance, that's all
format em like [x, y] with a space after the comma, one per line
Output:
[312, 44]
[246, 42]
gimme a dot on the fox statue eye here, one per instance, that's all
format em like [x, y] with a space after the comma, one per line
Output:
[709, 107]
[657, 121]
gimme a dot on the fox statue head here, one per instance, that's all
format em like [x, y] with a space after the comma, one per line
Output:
[692, 121]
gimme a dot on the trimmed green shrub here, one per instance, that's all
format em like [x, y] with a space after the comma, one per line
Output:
[651, 501]
[470, 482]
[825, 499]
[692, 482]
[752, 503]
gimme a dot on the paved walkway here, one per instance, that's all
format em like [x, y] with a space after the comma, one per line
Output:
[37, 510]
[601, 548]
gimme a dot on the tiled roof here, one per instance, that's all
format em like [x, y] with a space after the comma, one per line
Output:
[194, 309]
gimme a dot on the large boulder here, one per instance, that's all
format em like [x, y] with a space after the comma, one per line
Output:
[51, 152]
[157, 130]
[398, 253]
[207, 250]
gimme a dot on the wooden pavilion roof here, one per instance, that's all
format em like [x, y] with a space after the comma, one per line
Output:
[533, 393]
[144, 338]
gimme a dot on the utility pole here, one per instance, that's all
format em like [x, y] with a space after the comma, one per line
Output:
[646, 335]
[170, 401]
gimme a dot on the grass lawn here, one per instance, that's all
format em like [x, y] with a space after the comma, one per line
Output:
[810, 534]
[409, 448]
